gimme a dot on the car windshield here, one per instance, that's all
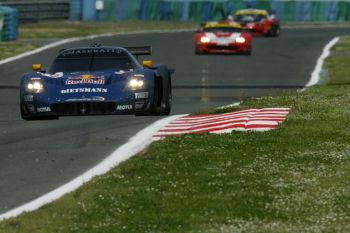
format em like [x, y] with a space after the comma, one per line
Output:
[74, 62]
[223, 29]
[248, 18]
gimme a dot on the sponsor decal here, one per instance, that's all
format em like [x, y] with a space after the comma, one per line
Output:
[30, 108]
[89, 51]
[139, 105]
[56, 75]
[85, 79]
[28, 98]
[84, 90]
[139, 75]
[141, 95]
[43, 109]
[124, 107]
[94, 98]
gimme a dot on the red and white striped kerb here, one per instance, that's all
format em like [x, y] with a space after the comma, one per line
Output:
[246, 120]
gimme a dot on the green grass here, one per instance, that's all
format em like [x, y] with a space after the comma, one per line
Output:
[73, 29]
[32, 36]
[292, 179]
[9, 49]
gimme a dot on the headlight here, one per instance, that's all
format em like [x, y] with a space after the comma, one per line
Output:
[35, 86]
[205, 39]
[240, 39]
[136, 83]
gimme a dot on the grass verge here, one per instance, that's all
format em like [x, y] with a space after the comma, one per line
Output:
[32, 36]
[292, 179]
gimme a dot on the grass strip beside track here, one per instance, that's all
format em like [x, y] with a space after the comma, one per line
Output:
[32, 36]
[292, 179]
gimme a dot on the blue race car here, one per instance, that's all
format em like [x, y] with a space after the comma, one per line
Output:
[96, 80]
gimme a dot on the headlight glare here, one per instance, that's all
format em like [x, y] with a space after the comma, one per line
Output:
[240, 39]
[135, 83]
[205, 39]
[35, 87]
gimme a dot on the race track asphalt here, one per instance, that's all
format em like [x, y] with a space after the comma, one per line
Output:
[38, 156]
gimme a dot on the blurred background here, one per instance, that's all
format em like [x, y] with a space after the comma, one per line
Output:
[13, 12]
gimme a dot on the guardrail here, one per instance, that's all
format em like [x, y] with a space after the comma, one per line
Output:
[39, 10]
[8, 23]
[204, 10]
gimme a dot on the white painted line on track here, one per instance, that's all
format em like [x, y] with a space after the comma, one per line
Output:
[315, 75]
[74, 39]
[135, 144]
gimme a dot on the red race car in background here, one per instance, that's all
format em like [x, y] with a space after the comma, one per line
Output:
[223, 37]
[258, 22]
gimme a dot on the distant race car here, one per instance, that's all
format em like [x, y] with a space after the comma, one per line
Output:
[258, 22]
[96, 80]
[223, 37]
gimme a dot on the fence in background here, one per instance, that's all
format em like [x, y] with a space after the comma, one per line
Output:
[8, 23]
[39, 10]
[203, 10]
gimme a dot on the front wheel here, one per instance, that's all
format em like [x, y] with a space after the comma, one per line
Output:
[153, 107]
[168, 100]
[275, 31]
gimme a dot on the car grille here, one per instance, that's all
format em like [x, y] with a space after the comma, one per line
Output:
[223, 47]
[84, 108]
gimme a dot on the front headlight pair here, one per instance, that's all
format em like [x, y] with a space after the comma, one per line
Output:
[136, 83]
[239, 39]
[35, 86]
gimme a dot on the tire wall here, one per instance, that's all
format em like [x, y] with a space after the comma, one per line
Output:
[205, 10]
[8, 23]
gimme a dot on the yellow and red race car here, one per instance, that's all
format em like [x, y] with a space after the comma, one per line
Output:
[258, 22]
[224, 37]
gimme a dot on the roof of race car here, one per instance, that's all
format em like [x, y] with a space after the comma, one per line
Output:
[252, 12]
[222, 24]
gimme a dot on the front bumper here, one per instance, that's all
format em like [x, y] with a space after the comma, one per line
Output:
[39, 105]
[232, 48]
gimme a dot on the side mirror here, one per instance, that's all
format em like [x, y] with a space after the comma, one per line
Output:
[147, 63]
[36, 67]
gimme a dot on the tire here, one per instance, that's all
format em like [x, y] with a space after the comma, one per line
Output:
[168, 101]
[278, 31]
[162, 97]
[275, 31]
[164, 104]
[153, 108]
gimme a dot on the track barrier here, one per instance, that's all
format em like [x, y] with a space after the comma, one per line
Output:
[8, 23]
[204, 10]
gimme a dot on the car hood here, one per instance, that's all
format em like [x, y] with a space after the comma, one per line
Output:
[86, 78]
[217, 35]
